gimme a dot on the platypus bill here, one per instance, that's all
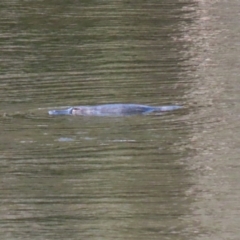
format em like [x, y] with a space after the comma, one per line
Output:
[114, 110]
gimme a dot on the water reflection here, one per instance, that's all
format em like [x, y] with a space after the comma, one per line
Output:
[214, 124]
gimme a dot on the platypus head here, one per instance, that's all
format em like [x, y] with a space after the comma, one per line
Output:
[61, 112]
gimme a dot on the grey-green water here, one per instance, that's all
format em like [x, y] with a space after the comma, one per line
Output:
[174, 176]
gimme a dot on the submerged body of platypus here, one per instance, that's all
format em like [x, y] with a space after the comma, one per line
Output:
[113, 110]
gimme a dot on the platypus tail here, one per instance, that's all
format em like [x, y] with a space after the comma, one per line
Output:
[167, 108]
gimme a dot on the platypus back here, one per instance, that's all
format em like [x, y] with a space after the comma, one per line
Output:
[113, 110]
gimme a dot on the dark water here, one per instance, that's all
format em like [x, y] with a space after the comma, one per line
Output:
[143, 177]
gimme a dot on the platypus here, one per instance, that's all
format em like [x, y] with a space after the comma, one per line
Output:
[114, 110]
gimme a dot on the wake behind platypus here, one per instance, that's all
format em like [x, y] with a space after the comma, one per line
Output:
[114, 110]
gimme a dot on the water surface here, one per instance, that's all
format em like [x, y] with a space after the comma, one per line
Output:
[142, 177]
